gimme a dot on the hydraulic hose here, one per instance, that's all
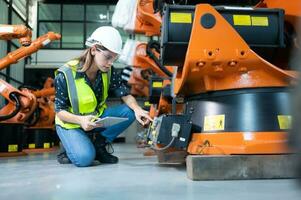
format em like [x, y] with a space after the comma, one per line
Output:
[153, 44]
[34, 118]
[14, 97]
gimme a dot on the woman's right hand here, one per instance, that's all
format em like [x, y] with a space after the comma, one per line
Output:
[87, 122]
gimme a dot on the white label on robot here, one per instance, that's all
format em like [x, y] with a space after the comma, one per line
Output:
[2, 87]
[46, 42]
[237, 8]
[6, 29]
[182, 139]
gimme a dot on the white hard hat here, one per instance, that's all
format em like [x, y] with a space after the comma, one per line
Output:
[108, 37]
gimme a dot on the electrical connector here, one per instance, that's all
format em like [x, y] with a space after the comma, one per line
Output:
[175, 129]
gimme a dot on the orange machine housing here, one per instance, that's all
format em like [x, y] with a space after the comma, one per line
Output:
[221, 60]
[147, 22]
[143, 64]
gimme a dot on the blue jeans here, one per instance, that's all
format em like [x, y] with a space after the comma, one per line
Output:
[79, 146]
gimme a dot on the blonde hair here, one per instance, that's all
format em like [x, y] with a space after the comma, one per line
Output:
[85, 60]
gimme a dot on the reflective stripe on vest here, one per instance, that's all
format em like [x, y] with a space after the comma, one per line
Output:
[67, 71]
[81, 96]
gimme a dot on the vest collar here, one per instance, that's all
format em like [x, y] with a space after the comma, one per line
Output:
[79, 75]
[83, 74]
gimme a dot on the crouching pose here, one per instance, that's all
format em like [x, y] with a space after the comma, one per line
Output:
[82, 86]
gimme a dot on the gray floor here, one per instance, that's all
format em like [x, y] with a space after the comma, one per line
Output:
[39, 177]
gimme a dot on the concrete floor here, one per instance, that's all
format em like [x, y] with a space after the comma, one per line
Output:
[39, 176]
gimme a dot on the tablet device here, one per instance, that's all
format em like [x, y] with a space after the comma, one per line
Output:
[110, 121]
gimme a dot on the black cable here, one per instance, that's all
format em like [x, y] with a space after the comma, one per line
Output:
[34, 118]
[153, 44]
[29, 87]
[14, 97]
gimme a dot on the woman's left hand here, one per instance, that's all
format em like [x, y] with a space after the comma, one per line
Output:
[142, 116]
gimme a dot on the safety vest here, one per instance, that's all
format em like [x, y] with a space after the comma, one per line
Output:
[81, 96]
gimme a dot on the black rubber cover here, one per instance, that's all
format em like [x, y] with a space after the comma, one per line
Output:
[245, 110]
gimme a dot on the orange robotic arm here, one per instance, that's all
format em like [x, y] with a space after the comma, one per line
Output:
[8, 32]
[146, 58]
[147, 21]
[22, 52]
[44, 115]
[139, 85]
[20, 105]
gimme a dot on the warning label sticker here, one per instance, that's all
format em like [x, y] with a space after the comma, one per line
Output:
[12, 148]
[157, 84]
[284, 121]
[214, 123]
[242, 20]
[180, 18]
[260, 21]
[248, 20]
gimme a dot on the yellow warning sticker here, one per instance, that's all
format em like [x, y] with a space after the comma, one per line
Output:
[46, 145]
[242, 20]
[180, 18]
[147, 104]
[284, 121]
[214, 123]
[31, 146]
[260, 21]
[157, 84]
[12, 148]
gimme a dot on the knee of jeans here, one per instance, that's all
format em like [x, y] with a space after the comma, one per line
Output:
[129, 113]
[84, 159]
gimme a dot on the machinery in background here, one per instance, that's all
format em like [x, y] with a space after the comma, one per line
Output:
[9, 32]
[137, 17]
[144, 65]
[224, 98]
[22, 105]
[237, 102]
[39, 129]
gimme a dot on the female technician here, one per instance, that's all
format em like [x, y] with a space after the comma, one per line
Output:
[82, 87]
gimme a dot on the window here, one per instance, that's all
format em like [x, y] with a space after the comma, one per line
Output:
[75, 22]
[72, 35]
[73, 12]
[49, 12]
[20, 7]
[97, 13]
[45, 27]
